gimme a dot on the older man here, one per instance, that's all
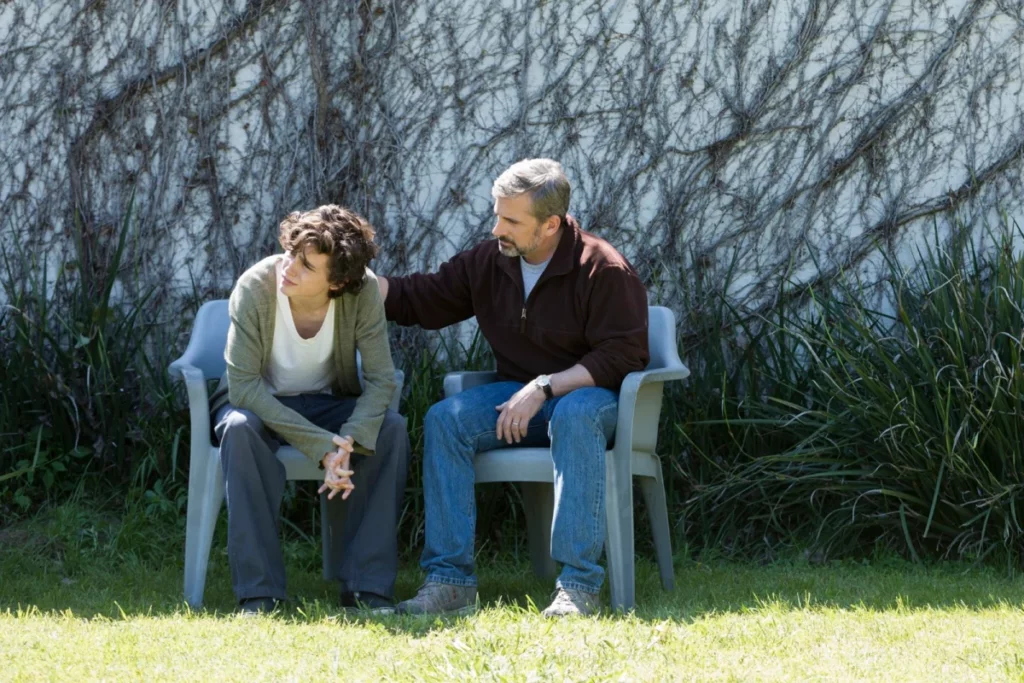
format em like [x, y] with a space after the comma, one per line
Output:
[566, 316]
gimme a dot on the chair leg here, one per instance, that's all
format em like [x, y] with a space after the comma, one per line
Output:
[539, 507]
[205, 496]
[619, 541]
[653, 489]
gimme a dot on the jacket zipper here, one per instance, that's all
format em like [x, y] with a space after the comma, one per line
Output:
[522, 315]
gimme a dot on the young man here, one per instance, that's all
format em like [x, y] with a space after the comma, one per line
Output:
[566, 316]
[297, 320]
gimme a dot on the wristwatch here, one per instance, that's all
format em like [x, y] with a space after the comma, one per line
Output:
[544, 382]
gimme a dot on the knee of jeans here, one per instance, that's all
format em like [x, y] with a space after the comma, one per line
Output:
[441, 416]
[573, 414]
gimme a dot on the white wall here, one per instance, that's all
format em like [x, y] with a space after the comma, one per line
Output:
[782, 139]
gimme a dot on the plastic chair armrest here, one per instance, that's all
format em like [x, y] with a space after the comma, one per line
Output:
[627, 400]
[187, 360]
[635, 380]
[198, 405]
[457, 382]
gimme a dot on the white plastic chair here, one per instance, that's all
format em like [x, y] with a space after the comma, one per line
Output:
[636, 437]
[203, 360]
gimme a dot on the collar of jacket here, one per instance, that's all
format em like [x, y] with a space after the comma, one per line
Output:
[561, 261]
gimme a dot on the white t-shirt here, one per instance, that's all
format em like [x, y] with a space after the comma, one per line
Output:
[297, 365]
[531, 273]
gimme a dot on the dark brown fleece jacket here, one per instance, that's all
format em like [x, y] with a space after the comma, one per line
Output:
[588, 307]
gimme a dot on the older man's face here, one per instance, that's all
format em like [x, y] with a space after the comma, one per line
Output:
[517, 231]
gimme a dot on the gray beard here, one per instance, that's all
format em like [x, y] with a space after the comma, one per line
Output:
[509, 250]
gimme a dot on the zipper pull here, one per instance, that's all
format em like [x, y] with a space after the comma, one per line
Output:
[522, 322]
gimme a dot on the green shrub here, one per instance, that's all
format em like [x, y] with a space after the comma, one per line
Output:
[84, 385]
[848, 427]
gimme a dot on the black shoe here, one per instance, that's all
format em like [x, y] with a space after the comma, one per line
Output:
[366, 602]
[252, 606]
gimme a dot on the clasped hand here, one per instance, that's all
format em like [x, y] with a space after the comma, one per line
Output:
[337, 469]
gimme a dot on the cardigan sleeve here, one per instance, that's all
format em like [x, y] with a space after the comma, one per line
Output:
[371, 335]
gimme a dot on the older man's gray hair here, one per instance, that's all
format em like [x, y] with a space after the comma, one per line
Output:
[545, 182]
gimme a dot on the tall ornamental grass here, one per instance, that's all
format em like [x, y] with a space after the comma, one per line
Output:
[85, 394]
[844, 427]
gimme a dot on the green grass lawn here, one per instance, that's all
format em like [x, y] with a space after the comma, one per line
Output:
[83, 596]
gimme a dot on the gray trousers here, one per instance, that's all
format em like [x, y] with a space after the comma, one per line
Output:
[363, 528]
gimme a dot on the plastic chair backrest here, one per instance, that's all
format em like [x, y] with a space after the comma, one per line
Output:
[209, 337]
[661, 338]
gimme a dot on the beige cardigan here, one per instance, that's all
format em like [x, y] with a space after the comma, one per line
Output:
[359, 324]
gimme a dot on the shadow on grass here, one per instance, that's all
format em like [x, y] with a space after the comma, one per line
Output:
[76, 566]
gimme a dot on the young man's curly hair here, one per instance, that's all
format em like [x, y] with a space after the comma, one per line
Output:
[345, 236]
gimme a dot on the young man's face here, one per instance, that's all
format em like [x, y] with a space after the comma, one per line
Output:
[517, 231]
[304, 274]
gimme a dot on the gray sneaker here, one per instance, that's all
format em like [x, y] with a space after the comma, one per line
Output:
[440, 598]
[568, 602]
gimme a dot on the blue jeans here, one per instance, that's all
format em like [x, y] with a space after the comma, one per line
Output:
[578, 427]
